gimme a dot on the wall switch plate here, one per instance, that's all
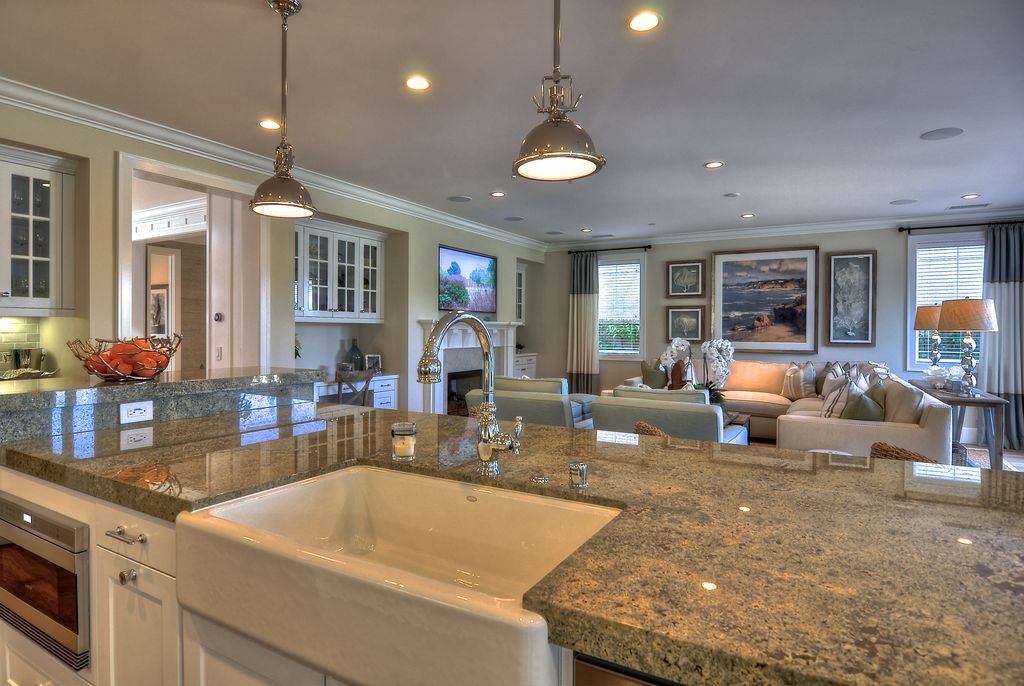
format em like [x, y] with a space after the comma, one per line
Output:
[137, 412]
[137, 438]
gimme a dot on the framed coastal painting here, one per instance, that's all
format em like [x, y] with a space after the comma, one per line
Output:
[686, 322]
[765, 301]
[687, 279]
[850, 295]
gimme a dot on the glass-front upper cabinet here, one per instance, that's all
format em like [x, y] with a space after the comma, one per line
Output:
[339, 273]
[36, 234]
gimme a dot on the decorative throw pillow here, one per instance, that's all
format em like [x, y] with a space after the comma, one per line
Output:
[799, 381]
[903, 402]
[653, 375]
[819, 381]
[840, 398]
[865, 408]
[835, 377]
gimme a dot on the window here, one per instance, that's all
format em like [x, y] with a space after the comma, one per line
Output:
[943, 267]
[620, 304]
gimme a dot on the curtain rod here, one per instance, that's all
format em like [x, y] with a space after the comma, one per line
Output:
[909, 229]
[645, 248]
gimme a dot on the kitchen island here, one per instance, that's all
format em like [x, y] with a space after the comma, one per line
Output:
[728, 564]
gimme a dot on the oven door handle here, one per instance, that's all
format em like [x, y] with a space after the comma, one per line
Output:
[51, 552]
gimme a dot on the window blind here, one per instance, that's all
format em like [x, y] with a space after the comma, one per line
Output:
[618, 321]
[947, 272]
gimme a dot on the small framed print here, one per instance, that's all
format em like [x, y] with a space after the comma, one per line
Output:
[373, 362]
[686, 322]
[851, 283]
[687, 279]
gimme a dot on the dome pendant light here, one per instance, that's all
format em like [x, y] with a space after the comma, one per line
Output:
[558, 149]
[281, 195]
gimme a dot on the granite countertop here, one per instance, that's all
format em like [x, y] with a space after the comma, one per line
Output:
[70, 390]
[840, 570]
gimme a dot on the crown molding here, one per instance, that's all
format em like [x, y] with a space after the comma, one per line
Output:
[948, 218]
[39, 160]
[25, 96]
[171, 211]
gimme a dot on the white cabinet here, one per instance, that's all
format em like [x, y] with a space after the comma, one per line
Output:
[520, 294]
[24, 663]
[339, 273]
[138, 623]
[36, 234]
[525, 364]
[385, 391]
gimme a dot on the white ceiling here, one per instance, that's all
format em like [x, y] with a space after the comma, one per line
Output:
[816, 106]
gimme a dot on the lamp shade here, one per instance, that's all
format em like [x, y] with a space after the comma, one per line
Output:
[927, 318]
[282, 196]
[558, 149]
[968, 315]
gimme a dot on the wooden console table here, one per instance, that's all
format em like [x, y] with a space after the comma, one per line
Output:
[994, 410]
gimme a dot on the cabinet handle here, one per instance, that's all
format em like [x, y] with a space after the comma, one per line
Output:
[127, 576]
[120, 533]
[5, 294]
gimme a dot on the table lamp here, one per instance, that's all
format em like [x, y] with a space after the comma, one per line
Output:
[968, 315]
[927, 319]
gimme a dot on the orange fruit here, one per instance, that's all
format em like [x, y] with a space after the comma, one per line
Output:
[124, 368]
[123, 349]
[142, 344]
[146, 372]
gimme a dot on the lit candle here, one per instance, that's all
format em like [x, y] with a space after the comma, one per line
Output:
[403, 441]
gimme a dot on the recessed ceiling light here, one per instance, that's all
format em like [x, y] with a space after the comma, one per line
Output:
[902, 201]
[269, 124]
[513, 219]
[747, 215]
[497, 194]
[554, 233]
[708, 586]
[941, 134]
[459, 198]
[417, 82]
[971, 196]
[730, 195]
[644, 21]
[586, 230]
[714, 164]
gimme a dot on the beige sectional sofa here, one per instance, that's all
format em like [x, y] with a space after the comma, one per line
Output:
[755, 388]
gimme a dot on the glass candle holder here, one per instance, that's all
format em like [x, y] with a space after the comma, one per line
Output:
[403, 441]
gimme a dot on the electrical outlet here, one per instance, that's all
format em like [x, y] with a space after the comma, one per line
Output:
[137, 412]
[219, 354]
[137, 438]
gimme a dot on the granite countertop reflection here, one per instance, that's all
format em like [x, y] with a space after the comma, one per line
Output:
[728, 564]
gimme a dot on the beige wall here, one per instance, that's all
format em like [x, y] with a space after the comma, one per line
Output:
[192, 317]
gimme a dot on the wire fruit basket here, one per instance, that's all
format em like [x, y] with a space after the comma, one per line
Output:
[131, 359]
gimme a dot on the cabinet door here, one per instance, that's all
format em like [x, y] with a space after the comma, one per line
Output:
[23, 663]
[30, 238]
[346, 267]
[298, 292]
[520, 294]
[372, 292]
[138, 623]
[317, 261]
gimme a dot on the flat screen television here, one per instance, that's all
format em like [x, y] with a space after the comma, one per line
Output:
[466, 281]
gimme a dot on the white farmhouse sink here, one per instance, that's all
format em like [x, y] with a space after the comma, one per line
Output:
[382, 577]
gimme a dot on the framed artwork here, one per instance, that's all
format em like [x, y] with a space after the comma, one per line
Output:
[686, 322]
[765, 301]
[850, 294]
[466, 280]
[373, 362]
[687, 279]
[156, 320]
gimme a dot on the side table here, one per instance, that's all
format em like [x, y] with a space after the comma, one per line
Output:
[993, 407]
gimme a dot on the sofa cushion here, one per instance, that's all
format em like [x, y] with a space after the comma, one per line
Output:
[763, 377]
[653, 375]
[757, 403]
[681, 395]
[514, 383]
[811, 406]
[903, 402]
[799, 381]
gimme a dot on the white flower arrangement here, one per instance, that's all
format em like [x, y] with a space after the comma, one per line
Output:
[718, 353]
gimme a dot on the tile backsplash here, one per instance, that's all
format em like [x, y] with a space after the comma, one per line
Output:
[17, 332]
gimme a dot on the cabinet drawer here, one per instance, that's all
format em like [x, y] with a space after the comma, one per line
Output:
[385, 385]
[385, 400]
[23, 663]
[521, 370]
[157, 550]
[526, 359]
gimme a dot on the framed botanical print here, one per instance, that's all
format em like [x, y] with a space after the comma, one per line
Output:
[766, 301]
[850, 297]
[687, 279]
[686, 322]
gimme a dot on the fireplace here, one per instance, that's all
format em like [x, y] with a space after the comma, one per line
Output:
[459, 384]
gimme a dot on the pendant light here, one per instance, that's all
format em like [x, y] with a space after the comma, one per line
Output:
[281, 195]
[558, 149]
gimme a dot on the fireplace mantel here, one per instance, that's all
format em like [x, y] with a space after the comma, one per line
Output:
[460, 337]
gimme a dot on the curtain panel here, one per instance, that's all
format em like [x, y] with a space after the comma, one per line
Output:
[583, 368]
[1003, 354]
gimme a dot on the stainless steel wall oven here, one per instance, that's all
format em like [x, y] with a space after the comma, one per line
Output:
[44, 578]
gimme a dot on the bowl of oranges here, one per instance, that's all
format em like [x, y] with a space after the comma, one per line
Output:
[129, 359]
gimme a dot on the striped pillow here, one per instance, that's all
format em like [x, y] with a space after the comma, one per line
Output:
[835, 377]
[840, 398]
[799, 381]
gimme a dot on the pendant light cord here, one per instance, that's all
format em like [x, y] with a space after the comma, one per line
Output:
[557, 70]
[284, 77]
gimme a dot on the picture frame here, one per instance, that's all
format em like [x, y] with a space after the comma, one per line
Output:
[686, 322]
[157, 312]
[466, 280]
[687, 279]
[765, 301]
[373, 361]
[850, 297]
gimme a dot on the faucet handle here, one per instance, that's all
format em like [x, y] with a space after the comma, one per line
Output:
[578, 475]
